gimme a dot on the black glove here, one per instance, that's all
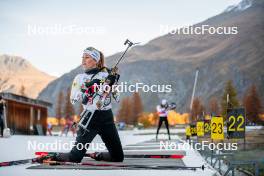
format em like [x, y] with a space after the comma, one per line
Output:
[112, 79]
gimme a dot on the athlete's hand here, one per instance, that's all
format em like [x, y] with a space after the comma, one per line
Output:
[114, 71]
[112, 79]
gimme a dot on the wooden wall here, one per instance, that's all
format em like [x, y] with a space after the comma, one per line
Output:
[21, 117]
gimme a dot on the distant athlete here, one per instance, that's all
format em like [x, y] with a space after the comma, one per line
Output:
[163, 110]
[49, 128]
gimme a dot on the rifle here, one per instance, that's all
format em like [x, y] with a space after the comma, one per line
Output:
[100, 96]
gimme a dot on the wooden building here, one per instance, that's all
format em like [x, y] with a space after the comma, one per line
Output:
[25, 115]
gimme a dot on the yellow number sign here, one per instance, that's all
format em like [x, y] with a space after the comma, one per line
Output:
[188, 131]
[193, 130]
[200, 128]
[207, 127]
[217, 128]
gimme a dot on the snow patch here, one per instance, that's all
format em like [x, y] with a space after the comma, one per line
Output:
[243, 5]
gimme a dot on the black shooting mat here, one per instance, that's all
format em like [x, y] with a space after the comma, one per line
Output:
[128, 163]
[154, 163]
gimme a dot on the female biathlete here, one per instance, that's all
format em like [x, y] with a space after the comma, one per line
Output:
[102, 122]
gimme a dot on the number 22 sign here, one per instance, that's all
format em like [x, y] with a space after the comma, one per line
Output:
[236, 123]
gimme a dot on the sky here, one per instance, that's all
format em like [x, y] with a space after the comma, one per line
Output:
[52, 34]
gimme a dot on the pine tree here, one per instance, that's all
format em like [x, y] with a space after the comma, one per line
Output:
[197, 110]
[233, 102]
[213, 106]
[68, 107]
[252, 104]
[122, 115]
[130, 109]
[59, 106]
[136, 107]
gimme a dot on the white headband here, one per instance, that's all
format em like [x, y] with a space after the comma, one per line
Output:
[93, 53]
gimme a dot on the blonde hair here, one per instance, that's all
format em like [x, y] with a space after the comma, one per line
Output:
[100, 63]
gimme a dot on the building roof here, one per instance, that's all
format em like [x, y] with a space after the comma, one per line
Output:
[26, 100]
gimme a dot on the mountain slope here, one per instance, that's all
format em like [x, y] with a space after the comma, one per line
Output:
[17, 72]
[172, 59]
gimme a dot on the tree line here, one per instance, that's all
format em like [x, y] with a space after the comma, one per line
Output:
[64, 108]
[131, 107]
[251, 102]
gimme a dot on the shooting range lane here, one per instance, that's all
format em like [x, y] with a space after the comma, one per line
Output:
[150, 148]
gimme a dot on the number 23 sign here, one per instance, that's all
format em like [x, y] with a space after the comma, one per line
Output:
[217, 128]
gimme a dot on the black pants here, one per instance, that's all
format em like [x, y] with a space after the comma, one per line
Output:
[161, 120]
[102, 123]
[2, 124]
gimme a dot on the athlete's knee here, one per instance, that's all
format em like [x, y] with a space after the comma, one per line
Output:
[118, 158]
[76, 156]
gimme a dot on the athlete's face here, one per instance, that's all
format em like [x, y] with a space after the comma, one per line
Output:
[88, 62]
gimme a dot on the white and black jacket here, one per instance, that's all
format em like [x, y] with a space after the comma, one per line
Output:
[78, 83]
